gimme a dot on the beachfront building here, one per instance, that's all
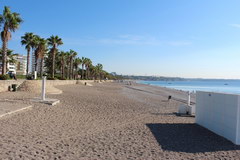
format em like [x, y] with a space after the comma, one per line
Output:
[19, 67]
[38, 65]
[33, 63]
[21, 64]
[10, 68]
[38, 69]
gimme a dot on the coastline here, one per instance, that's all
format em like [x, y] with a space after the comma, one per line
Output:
[179, 95]
[206, 85]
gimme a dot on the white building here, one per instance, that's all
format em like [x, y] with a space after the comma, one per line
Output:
[11, 68]
[21, 65]
[38, 64]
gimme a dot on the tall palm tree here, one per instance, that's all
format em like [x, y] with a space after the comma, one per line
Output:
[87, 65]
[27, 41]
[83, 64]
[63, 58]
[68, 62]
[11, 22]
[76, 64]
[92, 71]
[73, 55]
[99, 68]
[54, 42]
[41, 47]
[34, 45]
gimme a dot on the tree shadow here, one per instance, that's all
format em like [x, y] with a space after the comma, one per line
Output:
[190, 138]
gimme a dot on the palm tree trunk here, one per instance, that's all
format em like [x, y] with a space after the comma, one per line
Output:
[41, 67]
[71, 66]
[68, 69]
[53, 63]
[82, 71]
[62, 71]
[36, 59]
[28, 61]
[72, 71]
[4, 56]
[86, 72]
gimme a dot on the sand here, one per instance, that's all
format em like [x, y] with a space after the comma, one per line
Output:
[108, 121]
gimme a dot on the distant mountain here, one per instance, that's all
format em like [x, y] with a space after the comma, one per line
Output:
[161, 78]
[153, 78]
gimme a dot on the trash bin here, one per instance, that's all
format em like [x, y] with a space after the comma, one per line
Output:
[14, 87]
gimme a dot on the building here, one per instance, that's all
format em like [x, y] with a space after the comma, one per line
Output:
[21, 65]
[10, 68]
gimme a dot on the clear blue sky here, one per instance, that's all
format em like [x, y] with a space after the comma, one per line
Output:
[184, 38]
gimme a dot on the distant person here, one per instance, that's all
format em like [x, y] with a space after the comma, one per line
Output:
[10, 75]
[14, 76]
[169, 97]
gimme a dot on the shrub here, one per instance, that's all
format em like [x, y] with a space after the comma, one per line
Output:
[50, 78]
[21, 76]
[29, 77]
[4, 77]
[60, 78]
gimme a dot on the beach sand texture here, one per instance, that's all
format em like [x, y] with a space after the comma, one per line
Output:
[108, 121]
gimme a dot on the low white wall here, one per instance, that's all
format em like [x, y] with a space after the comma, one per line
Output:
[4, 84]
[59, 82]
[219, 113]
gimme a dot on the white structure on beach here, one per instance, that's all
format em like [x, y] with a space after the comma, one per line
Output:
[219, 113]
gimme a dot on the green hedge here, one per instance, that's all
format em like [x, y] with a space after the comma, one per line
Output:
[4, 77]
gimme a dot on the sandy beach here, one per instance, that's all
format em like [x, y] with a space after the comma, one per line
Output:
[108, 121]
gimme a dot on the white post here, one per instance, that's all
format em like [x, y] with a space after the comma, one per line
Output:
[35, 74]
[43, 87]
[189, 98]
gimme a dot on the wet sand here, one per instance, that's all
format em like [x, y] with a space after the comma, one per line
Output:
[108, 121]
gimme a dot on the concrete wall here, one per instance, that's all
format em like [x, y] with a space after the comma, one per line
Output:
[60, 82]
[5, 83]
[219, 113]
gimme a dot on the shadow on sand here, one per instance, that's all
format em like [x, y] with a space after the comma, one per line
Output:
[190, 138]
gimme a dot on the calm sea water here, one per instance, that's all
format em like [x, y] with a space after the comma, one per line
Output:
[225, 86]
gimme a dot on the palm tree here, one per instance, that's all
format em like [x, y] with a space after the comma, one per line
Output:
[34, 46]
[76, 64]
[11, 22]
[41, 47]
[87, 65]
[73, 54]
[68, 61]
[83, 64]
[91, 70]
[27, 41]
[54, 42]
[99, 68]
[62, 57]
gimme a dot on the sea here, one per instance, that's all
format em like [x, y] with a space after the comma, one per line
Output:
[222, 86]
